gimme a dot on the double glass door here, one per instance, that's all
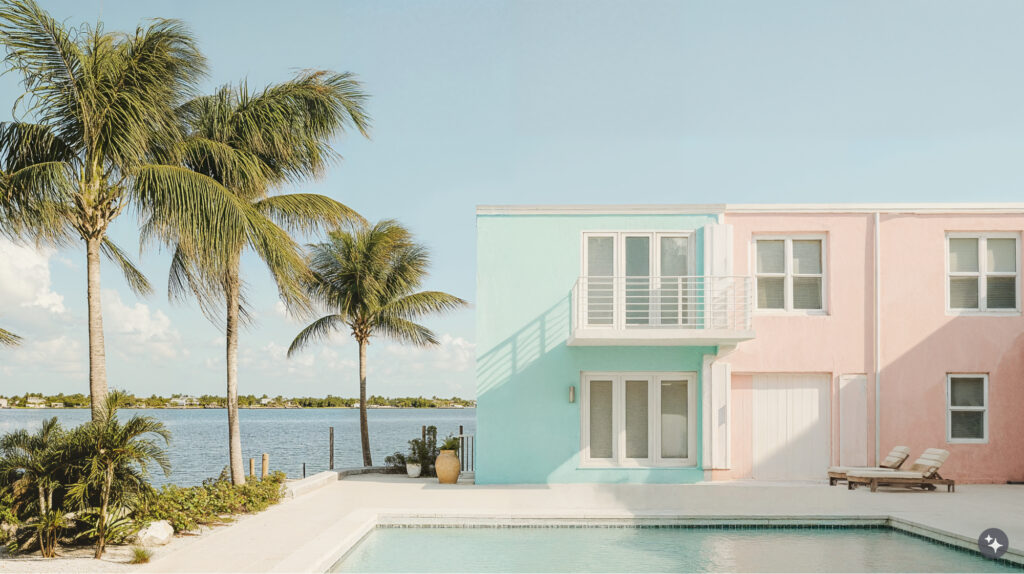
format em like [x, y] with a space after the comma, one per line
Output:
[637, 279]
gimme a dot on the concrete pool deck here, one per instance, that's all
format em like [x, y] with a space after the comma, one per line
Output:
[309, 533]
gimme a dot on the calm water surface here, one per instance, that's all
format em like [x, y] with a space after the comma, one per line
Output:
[199, 448]
[655, 550]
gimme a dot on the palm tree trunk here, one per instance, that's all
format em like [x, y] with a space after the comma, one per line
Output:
[364, 428]
[231, 335]
[97, 356]
[101, 524]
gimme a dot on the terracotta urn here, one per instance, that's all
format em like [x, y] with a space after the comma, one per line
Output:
[447, 467]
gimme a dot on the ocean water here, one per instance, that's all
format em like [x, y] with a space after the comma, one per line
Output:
[199, 446]
[655, 550]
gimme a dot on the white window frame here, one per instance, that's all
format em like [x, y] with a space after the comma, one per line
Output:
[654, 458]
[950, 408]
[619, 265]
[982, 274]
[788, 238]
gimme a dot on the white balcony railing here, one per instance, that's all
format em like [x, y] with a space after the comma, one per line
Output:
[694, 303]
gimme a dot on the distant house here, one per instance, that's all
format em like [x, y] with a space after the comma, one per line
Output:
[265, 401]
[185, 401]
[56, 405]
[4, 404]
[35, 403]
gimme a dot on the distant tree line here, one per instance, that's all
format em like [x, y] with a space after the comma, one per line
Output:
[78, 400]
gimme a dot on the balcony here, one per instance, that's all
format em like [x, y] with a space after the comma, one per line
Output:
[661, 311]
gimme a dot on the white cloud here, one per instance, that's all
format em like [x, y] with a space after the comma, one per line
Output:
[140, 329]
[25, 273]
[62, 355]
[453, 354]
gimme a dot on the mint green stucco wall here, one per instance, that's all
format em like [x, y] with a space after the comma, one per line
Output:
[527, 431]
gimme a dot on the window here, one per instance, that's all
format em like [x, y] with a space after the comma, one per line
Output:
[637, 279]
[639, 419]
[790, 273]
[982, 272]
[967, 408]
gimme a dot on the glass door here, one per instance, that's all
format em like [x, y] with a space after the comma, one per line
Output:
[599, 282]
[637, 277]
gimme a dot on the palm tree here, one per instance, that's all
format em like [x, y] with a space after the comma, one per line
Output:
[33, 465]
[97, 107]
[252, 143]
[113, 449]
[9, 339]
[368, 278]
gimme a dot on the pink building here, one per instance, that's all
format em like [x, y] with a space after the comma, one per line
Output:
[876, 326]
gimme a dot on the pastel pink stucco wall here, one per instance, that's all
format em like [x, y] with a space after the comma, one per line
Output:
[741, 437]
[837, 342]
[921, 343]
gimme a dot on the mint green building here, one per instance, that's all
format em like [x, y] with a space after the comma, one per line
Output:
[597, 333]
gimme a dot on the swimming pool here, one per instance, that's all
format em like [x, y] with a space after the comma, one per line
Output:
[659, 549]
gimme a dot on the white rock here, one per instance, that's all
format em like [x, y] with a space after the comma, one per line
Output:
[156, 534]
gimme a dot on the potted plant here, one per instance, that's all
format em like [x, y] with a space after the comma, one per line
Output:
[413, 467]
[447, 464]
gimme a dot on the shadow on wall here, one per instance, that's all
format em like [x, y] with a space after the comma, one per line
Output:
[507, 452]
[513, 355]
[528, 431]
[914, 396]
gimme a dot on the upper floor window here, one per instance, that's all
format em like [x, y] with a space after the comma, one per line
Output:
[983, 272]
[790, 273]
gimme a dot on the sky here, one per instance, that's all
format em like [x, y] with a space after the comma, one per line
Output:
[486, 102]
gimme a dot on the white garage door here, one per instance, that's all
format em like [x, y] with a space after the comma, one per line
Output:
[791, 428]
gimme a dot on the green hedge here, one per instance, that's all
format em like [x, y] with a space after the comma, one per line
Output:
[187, 508]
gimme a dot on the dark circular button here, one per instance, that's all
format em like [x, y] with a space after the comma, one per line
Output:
[993, 543]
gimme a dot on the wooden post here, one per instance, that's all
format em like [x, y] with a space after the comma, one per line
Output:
[252, 467]
[460, 430]
[266, 464]
[303, 470]
[424, 433]
[332, 448]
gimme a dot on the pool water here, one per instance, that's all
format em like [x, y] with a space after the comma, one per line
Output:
[656, 550]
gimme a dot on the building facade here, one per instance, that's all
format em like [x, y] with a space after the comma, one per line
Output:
[724, 342]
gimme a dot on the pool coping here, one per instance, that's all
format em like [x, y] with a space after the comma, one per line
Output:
[369, 520]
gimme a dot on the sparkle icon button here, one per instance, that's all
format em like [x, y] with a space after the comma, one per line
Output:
[993, 543]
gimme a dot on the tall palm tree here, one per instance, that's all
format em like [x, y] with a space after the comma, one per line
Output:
[97, 106]
[112, 449]
[251, 143]
[367, 278]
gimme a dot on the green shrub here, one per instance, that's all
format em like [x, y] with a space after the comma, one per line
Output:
[187, 508]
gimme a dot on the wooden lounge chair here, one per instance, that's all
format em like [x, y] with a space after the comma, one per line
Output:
[923, 474]
[897, 456]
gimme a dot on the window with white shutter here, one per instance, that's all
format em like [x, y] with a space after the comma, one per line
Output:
[982, 272]
[790, 273]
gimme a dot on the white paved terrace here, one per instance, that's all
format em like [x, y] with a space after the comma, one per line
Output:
[310, 533]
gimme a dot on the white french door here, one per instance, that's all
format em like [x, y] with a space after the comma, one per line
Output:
[638, 419]
[637, 278]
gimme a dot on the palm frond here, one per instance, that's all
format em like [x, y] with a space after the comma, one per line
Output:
[422, 303]
[135, 279]
[307, 212]
[404, 330]
[316, 331]
[9, 339]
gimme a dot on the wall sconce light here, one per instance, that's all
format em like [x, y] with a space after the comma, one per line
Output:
[572, 393]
